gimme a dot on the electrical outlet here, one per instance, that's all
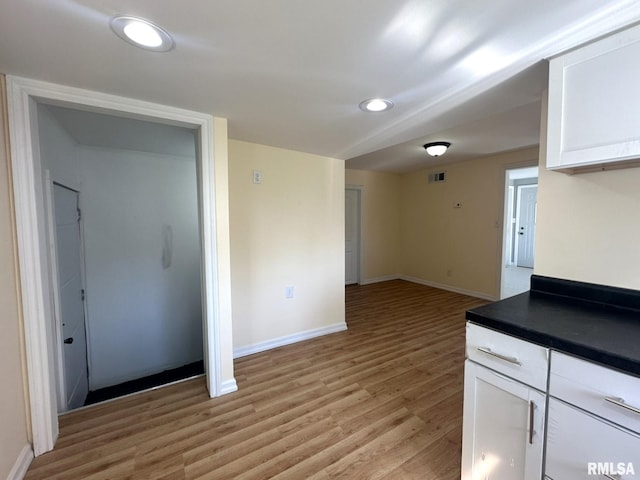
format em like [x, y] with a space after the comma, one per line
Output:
[257, 177]
[288, 291]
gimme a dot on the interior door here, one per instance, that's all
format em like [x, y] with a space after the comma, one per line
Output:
[352, 235]
[71, 294]
[527, 207]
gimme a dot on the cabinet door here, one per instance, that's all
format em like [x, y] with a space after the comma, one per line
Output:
[593, 104]
[503, 427]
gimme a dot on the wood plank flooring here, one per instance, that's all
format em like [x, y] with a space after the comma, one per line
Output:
[382, 400]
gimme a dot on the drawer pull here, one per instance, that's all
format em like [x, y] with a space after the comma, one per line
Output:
[532, 407]
[621, 403]
[488, 351]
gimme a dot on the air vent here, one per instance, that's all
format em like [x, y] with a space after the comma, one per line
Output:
[437, 177]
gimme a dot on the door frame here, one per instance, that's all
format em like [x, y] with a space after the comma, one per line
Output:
[501, 256]
[35, 280]
[360, 190]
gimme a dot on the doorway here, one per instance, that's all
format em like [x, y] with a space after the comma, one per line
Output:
[352, 230]
[36, 282]
[142, 243]
[520, 209]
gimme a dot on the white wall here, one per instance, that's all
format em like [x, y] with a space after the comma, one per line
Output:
[142, 318]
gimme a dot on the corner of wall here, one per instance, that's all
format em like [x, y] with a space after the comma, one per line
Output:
[223, 242]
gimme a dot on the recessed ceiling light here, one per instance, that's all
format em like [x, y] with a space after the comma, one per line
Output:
[376, 105]
[142, 33]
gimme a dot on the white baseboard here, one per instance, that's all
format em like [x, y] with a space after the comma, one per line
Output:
[228, 386]
[21, 466]
[288, 339]
[441, 286]
[386, 278]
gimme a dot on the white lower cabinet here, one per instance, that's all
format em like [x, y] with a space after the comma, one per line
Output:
[592, 422]
[503, 427]
[581, 446]
[593, 429]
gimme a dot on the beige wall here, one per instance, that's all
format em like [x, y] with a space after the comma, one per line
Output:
[288, 230]
[380, 222]
[457, 248]
[588, 224]
[13, 422]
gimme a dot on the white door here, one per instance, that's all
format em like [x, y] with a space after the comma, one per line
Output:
[352, 235]
[526, 224]
[503, 427]
[71, 295]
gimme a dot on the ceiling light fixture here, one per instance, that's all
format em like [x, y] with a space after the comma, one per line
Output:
[376, 105]
[435, 149]
[142, 33]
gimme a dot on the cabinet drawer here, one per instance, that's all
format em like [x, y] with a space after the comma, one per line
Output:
[581, 446]
[596, 389]
[523, 361]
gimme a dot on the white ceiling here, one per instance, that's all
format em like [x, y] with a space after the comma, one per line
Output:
[291, 73]
[108, 131]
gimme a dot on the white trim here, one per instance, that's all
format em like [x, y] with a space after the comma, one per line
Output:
[429, 283]
[288, 340]
[21, 466]
[32, 277]
[27, 181]
[385, 278]
[60, 370]
[442, 286]
[228, 386]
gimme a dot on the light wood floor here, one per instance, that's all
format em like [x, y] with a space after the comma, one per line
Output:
[382, 400]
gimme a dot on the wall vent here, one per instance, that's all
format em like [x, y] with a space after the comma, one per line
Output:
[437, 177]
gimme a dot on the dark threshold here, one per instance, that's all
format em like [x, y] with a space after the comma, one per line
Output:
[140, 384]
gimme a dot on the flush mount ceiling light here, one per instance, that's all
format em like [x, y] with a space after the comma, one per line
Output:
[376, 105]
[142, 33]
[435, 149]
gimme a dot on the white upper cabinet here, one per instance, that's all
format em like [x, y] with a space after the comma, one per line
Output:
[594, 105]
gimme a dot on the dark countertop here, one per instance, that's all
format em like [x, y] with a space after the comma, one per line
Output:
[585, 320]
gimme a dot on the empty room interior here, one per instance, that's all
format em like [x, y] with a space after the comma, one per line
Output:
[372, 240]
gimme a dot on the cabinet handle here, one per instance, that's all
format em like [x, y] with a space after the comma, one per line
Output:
[532, 406]
[488, 351]
[621, 403]
[611, 477]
